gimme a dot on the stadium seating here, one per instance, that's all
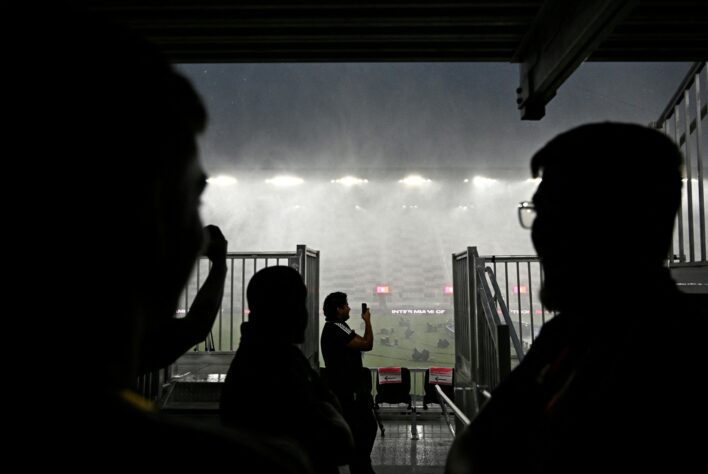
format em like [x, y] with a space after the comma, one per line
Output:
[431, 395]
[394, 393]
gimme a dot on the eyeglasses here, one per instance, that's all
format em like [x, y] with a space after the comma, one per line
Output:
[527, 214]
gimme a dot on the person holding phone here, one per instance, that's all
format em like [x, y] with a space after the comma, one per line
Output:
[342, 352]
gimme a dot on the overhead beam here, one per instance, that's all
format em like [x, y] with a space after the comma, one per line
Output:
[563, 35]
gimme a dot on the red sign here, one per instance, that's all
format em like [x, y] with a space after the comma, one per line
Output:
[440, 376]
[390, 375]
[447, 290]
[383, 290]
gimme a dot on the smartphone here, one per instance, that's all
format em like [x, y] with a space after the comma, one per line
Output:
[363, 308]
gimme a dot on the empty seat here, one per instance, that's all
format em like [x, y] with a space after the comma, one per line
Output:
[431, 395]
[394, 393]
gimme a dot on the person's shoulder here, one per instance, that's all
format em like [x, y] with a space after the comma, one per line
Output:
[555, 327]
[693, 316]
[694, 304]
[338, 327]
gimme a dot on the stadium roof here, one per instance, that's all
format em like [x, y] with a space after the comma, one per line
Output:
[548, 39]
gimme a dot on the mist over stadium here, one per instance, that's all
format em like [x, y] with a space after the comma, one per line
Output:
[387, 169]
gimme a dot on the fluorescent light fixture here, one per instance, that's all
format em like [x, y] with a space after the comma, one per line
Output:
[349, 181]
[222, 180]
[534, 180]
[414, 180]
[285, 181]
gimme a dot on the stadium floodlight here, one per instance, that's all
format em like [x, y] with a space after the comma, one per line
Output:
[222, 180]
[414, 180]
[285, 181]
[350, 181]
[482, 181]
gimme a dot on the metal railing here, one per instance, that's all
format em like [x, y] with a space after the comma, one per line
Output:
[684, 120]
[446, 403]
[496, 320]
[520, 277]
[482, 353]
[226, 331]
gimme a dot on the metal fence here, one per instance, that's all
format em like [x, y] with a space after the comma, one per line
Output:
[496, 320]
[482, 350]
[519, 279]
[463, 284]
[226, 332]
[684, 120]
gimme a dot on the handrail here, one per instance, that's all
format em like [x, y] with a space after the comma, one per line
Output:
[268, 254]
[445, 401]
[486, 301]
[510, 258]
[518, 347]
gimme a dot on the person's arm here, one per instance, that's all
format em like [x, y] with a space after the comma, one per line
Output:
[366, 342]
[175, 336]
[205, 307]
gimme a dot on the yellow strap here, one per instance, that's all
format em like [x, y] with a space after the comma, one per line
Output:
[138, 401]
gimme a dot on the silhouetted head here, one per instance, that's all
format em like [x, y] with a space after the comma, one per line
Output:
[609, 193]
[336, 306]
[114, 175]
[277, 301]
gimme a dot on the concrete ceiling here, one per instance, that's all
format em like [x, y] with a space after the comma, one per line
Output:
[548, 39]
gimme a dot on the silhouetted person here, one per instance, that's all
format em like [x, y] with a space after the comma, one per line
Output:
[175, 336]
[107, 241]
[341, 351]
[620, 391]
[271, 388]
